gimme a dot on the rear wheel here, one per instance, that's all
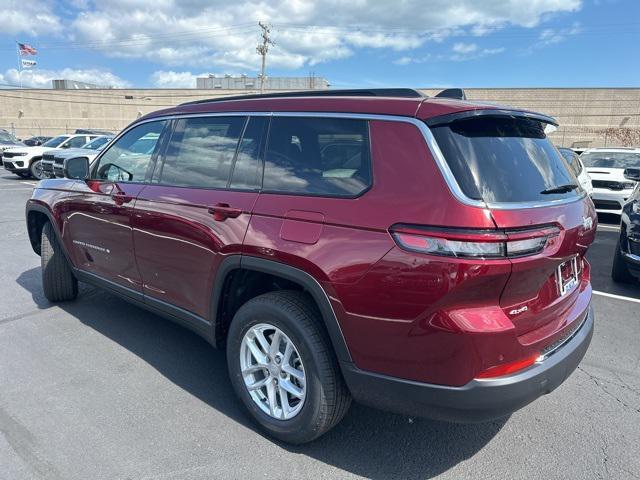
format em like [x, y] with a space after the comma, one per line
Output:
[58, 281]
[283, 368]
[36, 170]
[620, 271]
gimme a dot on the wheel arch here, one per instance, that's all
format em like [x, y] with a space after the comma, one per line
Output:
[236, 269]
[37, 215]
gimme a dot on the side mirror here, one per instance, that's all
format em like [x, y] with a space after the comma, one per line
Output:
[632, 174]
[76, 168]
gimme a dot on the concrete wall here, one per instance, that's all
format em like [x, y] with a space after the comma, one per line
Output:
[584, 113]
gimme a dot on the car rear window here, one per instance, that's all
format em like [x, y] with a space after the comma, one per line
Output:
[318, 156]
[505, 159]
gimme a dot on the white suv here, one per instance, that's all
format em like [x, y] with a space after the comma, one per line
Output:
[606, 167]
[26, 161]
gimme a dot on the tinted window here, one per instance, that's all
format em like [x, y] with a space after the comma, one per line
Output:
[611, 159]
[75, 142]
[504, 159]
[7, 137]
[201, 151]
[98, 143]
[247, 170]
[128, 159]
[572, 159]
[321, 156]
[55, 141]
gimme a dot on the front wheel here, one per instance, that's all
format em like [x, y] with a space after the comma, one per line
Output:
[58, 282]
[283, 368]
[619, 271]
[36, 170]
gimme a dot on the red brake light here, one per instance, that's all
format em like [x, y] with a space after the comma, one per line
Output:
[508, 368]
[468, 243]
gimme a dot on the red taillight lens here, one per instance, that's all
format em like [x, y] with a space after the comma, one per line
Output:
[508, 368]
[473, 243]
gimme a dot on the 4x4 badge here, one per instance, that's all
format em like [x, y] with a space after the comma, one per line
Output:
[587, 223]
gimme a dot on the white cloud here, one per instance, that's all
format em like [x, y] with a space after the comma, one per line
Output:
[42, 78]
[549, 36]
[408, 60]
[32, 17]
[219, 34]
[474, 54]
[464, 47]
[171, 79]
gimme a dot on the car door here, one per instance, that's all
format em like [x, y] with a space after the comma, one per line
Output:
[99, 231]
[197, 208]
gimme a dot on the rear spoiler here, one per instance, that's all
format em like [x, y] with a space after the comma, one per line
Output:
[491, 112]
[456, 93]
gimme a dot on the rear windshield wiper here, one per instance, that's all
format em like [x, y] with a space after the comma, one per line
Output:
[560, 189]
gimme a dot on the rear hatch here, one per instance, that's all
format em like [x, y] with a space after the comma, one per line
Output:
[505, 160]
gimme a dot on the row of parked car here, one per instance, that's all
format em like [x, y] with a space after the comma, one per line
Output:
[611, 176]
[37, 158]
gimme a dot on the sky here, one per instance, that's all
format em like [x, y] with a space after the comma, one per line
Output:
[353, 43]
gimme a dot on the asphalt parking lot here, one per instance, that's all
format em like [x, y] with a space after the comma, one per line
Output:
[101, 389]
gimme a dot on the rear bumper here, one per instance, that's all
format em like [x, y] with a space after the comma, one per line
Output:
[478, 400]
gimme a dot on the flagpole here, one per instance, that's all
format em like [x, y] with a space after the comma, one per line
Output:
[19, 63]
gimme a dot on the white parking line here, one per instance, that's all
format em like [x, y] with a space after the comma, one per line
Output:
[619, 297]
[612, 228]
[30, 183]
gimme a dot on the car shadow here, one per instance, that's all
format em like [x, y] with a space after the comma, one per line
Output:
[13, 177]
[367, 442]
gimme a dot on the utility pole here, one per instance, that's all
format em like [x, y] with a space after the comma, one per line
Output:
[262, 50]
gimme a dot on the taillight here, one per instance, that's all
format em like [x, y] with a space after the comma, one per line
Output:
[509, 368]
[469, 243]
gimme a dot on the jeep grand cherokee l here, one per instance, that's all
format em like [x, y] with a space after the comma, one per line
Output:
[420, 255]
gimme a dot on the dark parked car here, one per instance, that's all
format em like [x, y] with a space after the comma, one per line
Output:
[420, 255]
[35, 141]
[626, 260]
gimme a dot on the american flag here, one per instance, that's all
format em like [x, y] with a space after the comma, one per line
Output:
[26, 49]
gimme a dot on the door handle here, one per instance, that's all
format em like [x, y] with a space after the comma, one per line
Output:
[120, 198]
[222, 211]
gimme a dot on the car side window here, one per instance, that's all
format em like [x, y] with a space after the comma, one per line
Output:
[201, 151]
[247, 169]
[75, 142]
[318, 156]
[128, 158]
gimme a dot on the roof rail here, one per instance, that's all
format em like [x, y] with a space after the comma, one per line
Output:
[457, 93]
[356, 92]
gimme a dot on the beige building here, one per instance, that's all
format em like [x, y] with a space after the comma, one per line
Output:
[587, 116]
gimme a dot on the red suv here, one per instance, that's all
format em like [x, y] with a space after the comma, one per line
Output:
[420, 255]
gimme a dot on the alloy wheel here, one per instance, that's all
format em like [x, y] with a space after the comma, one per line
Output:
[272, 371]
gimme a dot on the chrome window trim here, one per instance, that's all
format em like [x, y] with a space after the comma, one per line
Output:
[429, 139]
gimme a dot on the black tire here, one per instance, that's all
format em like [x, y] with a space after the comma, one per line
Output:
[58, 281]
[327, 398]
[36, 169]
[619, 270]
